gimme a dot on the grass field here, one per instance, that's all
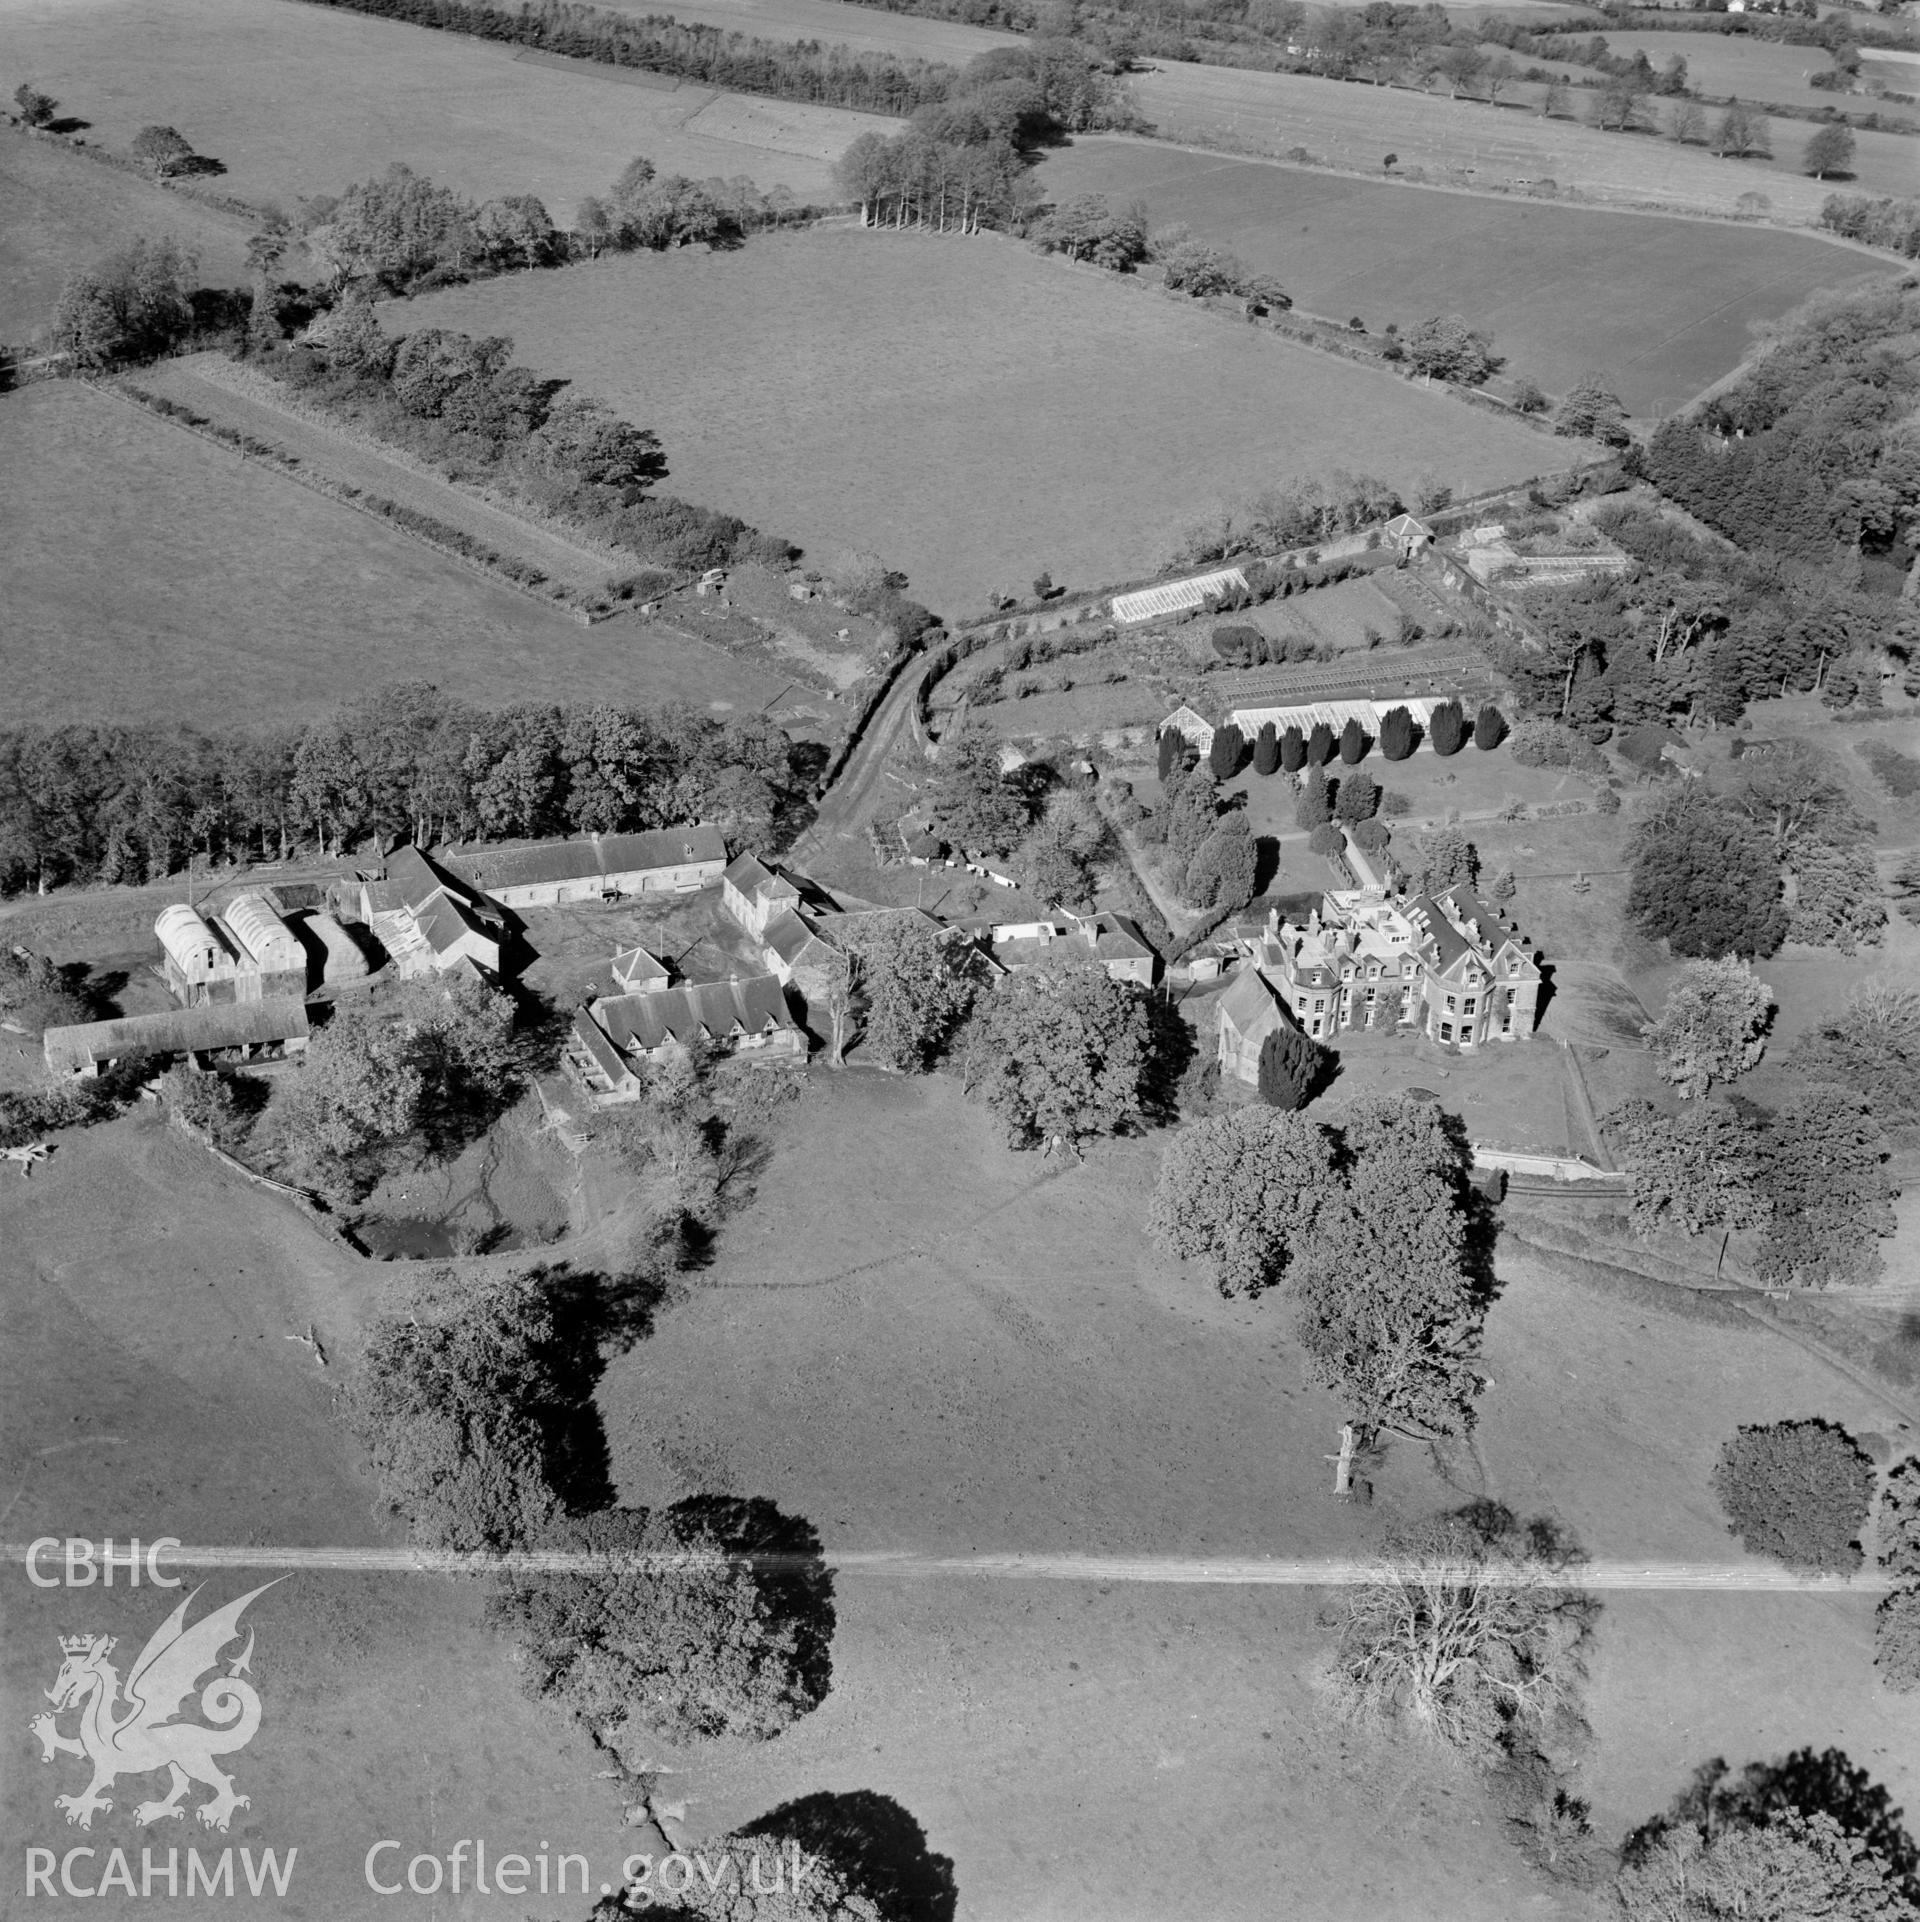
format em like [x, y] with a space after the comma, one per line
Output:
[1670, 315]
[1102, 1399]
[836, 23]
[60, 210]
[301, 101]
[964, 408]
[1723, 65]
[154, 577]
[1355, 126]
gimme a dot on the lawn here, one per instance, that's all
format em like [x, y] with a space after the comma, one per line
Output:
[1669, 317]
[301, 101]
[1355, 126]
[154, 577]
[970, 411]
[59, 210]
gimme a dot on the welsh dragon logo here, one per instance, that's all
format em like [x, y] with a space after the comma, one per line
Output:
[128, 1728]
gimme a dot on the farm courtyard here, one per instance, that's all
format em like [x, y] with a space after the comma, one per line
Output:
[968, 411]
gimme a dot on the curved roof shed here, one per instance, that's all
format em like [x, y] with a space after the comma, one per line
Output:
[190, 944]
[266, 938]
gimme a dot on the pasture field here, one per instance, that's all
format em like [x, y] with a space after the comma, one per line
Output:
[150, 1388]
[1722, 65]
[59, 210]
[1018, 1371]
[1356, 126]
[835, 23]
[964, 408]
[1670, 316]
[300, 101]
[152, 576]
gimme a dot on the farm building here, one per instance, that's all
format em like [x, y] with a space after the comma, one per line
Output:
[342, 963]
[754, 894]
[635, 971]
[618, 1032]
[596, 867]
[430, 920]
[249, 954]
[203, 1034]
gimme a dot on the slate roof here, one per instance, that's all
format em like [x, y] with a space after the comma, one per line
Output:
[634, 965]
[1249, 998]
[788, 935]
[445, 921]
[527, 864]
[600, 1050]
[1118, 939]
[412, 880]
[219, 1024]
[751, 1004]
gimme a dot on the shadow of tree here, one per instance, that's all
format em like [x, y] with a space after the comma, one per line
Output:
[876, 1845]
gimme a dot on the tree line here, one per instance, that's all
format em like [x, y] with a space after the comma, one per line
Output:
[129, 804]
[801, 70]
[1879, 222]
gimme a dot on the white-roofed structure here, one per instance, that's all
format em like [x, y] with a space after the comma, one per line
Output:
[194, 957]
[1306, 716]
[247, 954]
[279, 962]
[1175, 597]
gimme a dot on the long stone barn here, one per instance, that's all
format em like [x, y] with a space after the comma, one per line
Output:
[207, 1034]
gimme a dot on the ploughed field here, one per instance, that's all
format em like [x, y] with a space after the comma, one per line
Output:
[965, 409]
[299, 101]
[1667, 314]
[1357, 126]
[153, 576]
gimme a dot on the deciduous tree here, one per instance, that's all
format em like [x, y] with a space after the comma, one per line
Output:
[1792, 1866]
[1243, 1193]
[162, 150]
[1059, 1052]
[1799, 1491]
[1712, 1027]
[709, 1618]
[1698, 1167]
[1829, 150]
[1477, 1645]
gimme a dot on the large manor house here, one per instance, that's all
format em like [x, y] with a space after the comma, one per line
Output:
[1445, 965]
